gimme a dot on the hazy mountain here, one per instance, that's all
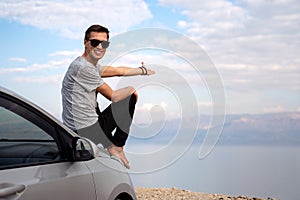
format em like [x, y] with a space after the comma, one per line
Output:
[264, 129]
[273, 129]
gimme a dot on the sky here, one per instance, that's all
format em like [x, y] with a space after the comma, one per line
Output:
[254, 46]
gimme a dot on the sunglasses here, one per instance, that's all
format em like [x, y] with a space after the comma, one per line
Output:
[95, 43]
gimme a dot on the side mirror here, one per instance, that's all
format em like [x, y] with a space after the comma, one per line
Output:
[82, 149]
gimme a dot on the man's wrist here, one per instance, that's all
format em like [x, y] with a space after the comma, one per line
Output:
[144, 70]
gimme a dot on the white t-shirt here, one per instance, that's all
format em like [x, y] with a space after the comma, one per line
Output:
[79, 96]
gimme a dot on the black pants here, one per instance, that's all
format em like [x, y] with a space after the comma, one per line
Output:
[116, 117]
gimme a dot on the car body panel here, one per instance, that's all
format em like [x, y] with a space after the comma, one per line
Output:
[54, 181]
[110, 168]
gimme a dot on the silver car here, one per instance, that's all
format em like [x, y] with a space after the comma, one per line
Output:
[40, 158]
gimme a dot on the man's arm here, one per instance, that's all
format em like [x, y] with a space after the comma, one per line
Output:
[109, 71]
[116, 95]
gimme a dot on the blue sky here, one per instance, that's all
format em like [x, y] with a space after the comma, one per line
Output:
[253, 44]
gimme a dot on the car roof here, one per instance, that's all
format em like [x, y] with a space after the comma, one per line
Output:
[41, 110]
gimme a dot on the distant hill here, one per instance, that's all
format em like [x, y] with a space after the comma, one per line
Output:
[247, 129]
[272, 129]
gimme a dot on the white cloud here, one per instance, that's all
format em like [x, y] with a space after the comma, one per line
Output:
[59, 60]
[205, 104]
[71, 18]
[254, 45]
[182, 24]
[274, 109]
[53, 64]
[51, 80]
[237, 67]
[67, 53]
[16, 59]
[148, 113]
[246, 33]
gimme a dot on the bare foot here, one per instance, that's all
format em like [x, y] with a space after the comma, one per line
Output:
[119, 152]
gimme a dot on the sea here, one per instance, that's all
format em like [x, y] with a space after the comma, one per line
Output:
[269, 171]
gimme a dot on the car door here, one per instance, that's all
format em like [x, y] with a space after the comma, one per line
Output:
[33, 159]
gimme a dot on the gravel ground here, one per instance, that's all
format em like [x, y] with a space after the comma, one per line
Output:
[178, 194]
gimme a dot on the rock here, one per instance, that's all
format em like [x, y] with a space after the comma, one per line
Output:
[179, 194]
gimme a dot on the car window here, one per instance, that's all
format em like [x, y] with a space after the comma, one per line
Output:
[25, 137]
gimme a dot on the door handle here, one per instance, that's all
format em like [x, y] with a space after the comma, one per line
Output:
[7, 189]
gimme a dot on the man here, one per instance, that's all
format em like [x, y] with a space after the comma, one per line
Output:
[81, 84]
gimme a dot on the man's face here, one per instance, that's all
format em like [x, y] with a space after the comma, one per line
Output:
[95, 53]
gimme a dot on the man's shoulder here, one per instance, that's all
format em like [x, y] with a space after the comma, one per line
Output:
[79, 64]
[77, 61]
[82, 64]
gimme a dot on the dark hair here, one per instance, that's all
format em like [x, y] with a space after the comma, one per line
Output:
[96, 28]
